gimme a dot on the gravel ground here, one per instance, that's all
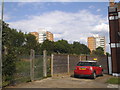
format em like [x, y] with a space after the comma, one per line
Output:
[68, 82]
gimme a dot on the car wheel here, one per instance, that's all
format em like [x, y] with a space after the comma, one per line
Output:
[76, 76]
[93, 75]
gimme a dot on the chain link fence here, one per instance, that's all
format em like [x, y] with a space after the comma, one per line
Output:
[65, 64]
[38, 67]
[48, 64]
[29, 68]
[22, 73]
[35, 67]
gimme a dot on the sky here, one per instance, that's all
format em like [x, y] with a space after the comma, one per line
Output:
[71, 21]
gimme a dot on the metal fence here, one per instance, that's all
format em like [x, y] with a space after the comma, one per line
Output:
[22, 73]
[62, 64]
[38, 67]
[30, 67]
[65, 64]
[35, 67]
[48, 64]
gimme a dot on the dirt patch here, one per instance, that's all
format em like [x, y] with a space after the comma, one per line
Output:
[66, 82]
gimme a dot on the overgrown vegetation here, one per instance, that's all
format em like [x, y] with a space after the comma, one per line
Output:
[98, 52]
[14, 44]
[114, 80]
[63, 47]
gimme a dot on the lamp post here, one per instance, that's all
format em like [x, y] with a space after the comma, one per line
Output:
[1, 28]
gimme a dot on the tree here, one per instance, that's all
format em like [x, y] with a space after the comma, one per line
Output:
[14, 44]
[85, 49]
[62, 46]
[99, 51]
[9, 58]
[80, 48]
[76, 48]
[30, 42]
[47, 45]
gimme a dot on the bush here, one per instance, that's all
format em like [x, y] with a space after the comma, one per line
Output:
[8, 68]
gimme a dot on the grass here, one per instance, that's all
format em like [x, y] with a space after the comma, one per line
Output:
[5, 83]
[22, 73]
[114, 80]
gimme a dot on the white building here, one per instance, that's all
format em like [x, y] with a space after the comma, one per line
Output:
[43, 35]
[95, 42]
[100, 42]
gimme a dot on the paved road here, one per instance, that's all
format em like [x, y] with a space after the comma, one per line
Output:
[68, 82]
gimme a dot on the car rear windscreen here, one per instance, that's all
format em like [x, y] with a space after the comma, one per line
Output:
[86, 64]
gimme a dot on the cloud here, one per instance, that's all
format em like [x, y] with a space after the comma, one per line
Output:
[91, 7]
[69, 26]
[6, 17]
[98, 10]
[101, 27]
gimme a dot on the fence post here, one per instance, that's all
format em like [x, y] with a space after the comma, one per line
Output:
[68, 60]
[52, 56]
[44, 63]
[32, 57]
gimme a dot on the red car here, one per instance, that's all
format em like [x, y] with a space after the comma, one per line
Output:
[89, 69]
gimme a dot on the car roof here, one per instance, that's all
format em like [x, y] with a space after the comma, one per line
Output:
[88, 61]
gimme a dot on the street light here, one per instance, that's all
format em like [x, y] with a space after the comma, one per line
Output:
[1, 28]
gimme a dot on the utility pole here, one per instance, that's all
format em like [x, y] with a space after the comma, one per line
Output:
[1, 28]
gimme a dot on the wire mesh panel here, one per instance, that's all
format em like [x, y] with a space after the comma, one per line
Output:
[48, 66]
[38, 67]
[22, 73]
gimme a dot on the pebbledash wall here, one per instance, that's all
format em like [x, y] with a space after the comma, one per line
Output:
[65, 64]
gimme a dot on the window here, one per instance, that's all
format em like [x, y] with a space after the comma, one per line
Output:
[118, 14]
[111, 18]
[87, 64]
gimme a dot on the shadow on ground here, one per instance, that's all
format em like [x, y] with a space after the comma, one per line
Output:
[79, 77]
